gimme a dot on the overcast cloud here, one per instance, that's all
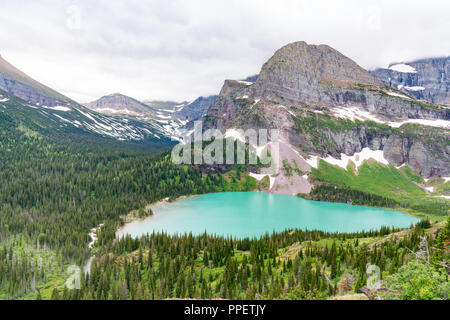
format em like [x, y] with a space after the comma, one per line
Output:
[181, 49]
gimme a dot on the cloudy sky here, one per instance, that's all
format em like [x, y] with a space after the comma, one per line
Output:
[181, 49]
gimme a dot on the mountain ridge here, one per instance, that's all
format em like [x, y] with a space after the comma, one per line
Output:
[426, 79]
[18, 83]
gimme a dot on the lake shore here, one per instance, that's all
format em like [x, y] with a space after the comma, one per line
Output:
[129, 218]
[233, 210]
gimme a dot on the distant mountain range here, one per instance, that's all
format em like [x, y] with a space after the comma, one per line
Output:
[168, 113]
[36, 108]
[169, 116]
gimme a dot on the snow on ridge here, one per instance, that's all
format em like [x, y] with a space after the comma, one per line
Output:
[284, 107]
[168, 110]
[58, 108]
[163, 116]
[354, 113]
[395, 94]
[86, 114]
[247, 83]
[426, 122]
[415, 88]
[63, 119]
[61, 108]
[404, 68]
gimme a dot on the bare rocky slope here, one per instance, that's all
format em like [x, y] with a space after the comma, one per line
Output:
[326, 105]
[19, 84]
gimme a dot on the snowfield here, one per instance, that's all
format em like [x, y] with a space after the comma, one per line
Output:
[395, 94]
[404, 68]
[354, 113]
[417, 88]
[358, 158]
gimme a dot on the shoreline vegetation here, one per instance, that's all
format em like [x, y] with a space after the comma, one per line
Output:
[293, 264]
[134, 216]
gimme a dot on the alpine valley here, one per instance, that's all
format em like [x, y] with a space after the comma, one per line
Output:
[74, 175]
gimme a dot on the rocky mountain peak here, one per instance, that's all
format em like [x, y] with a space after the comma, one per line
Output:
[117, 103]
[297, 69]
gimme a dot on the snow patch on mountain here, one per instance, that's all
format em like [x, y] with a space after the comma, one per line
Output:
[358, 158]
[415, 88]
[354, 113]
[404, 68]
[395, 94]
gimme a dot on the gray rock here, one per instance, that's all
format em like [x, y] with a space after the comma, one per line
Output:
[433, 75]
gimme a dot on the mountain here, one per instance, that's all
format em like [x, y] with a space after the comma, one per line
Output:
[328, 108]
[18, 84]
[425, 79]
[120, 104]
[196, 109]
[79, 125]
[165, 105]
[42, 111]
[168, 116]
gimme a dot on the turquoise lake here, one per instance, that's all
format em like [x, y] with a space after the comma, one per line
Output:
[248, 214]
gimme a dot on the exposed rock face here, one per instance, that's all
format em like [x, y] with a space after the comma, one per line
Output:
[427, 152]
[301, 72]
[20, 85]
[426, 79]
[119, 104]
[304, 84]
[196, 109]
[251, 78]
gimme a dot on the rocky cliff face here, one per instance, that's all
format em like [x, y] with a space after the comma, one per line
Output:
[314, 95]
[426, 79]
[196, 109]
